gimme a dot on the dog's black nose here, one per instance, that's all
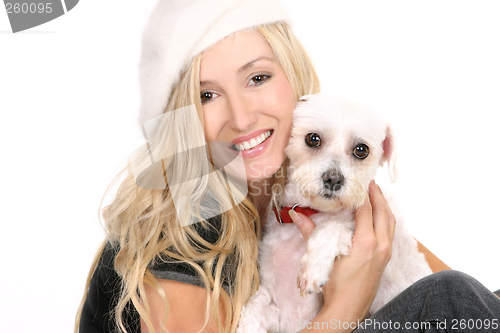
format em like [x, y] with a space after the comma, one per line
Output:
[333, 181]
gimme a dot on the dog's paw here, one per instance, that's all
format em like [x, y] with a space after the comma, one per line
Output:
[249, 329]
[259, 314]
[313, 275]
[249, 323]
[327, 242]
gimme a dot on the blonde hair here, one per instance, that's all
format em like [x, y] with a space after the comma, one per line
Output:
[143, 224]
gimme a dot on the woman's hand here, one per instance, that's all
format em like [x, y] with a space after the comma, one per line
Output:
[355, 278]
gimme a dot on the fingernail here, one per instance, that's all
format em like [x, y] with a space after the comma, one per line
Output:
[375, 185]
[295, 217]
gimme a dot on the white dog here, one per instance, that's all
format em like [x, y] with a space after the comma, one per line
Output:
[334, 152]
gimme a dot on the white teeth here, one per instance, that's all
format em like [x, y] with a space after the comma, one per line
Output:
[253, 142]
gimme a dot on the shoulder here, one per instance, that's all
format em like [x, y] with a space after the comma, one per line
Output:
[105, 278]
[186, 304]
[170, 269]
[103, 293]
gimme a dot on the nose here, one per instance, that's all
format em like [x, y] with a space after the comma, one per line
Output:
[242, 114]
[333, 180]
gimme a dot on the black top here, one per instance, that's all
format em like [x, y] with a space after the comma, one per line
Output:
[104, 290]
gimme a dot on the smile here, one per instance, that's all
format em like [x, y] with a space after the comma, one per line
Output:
[254, 142]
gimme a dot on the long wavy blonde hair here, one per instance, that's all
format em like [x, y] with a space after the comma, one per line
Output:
[143, 224]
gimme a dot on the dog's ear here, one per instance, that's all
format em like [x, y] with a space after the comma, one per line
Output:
[389, 154]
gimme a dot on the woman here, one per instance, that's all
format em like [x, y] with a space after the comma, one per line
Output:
[181, 248]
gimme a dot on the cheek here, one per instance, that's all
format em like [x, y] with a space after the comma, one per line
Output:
[210, 128]
[284, 103]
[208, 134]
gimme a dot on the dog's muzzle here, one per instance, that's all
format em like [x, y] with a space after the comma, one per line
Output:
[333, 180]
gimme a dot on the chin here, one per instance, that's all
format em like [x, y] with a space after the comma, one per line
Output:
[260, 170]
[326, 204]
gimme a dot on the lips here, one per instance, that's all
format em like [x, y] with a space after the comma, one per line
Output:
[253, 144]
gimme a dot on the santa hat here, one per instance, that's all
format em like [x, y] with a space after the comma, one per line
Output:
[178, 30]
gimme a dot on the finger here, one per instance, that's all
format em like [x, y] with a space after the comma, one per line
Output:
[364, 219]
[392, 227]
[383, 219]
[392, 224]
[305, 224]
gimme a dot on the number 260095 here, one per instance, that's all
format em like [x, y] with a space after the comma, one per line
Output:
[25, 8]
[472, 324]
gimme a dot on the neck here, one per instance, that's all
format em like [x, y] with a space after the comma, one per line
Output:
[260, 190]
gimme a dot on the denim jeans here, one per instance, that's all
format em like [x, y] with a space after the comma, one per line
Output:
[448, 301]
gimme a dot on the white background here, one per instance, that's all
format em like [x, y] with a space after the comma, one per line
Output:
[69, 99]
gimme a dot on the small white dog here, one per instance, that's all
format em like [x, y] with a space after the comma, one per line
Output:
[334, 152]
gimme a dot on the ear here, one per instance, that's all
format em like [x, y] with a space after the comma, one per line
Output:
[389, 154]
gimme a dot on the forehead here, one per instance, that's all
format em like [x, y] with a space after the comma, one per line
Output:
[233, 52]
[340, 121]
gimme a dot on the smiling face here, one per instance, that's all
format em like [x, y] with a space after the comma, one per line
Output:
[247, 102]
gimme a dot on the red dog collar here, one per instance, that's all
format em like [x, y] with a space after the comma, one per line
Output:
[283, 217]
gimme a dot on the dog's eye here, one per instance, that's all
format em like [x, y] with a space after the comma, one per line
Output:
[313, 140]
[361, 151]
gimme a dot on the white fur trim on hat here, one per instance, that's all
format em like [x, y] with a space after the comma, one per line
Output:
[178, 30]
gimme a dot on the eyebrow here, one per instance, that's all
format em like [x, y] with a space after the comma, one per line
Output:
[251, 63]
[242, 68]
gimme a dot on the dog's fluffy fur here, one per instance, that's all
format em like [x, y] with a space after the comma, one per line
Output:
[286, 261]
